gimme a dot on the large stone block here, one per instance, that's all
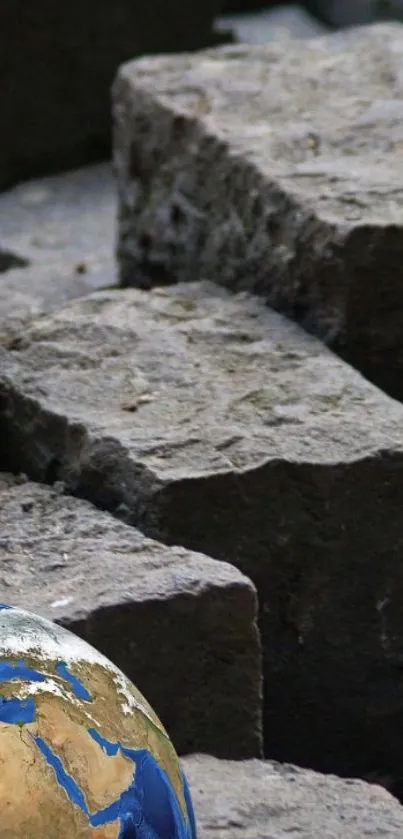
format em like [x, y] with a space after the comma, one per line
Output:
[251, 799]
[277, 169]
[57, 65]
[212, 422]
[180, 625]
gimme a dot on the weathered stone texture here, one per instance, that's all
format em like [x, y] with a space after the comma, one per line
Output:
[180, 625]
[209, 421]
[252, 799]
[56, 243]
[277, 169]
[57, 65]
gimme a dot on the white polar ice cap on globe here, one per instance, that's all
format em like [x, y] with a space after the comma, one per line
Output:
[22, 633]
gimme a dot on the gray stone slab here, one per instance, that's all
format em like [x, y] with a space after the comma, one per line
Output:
[210, 421]
[58, 65]
[251, 799]
[180, 625]
[57, 241]
[277, 169]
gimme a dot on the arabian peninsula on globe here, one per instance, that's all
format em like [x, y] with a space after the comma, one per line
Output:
[82, 754]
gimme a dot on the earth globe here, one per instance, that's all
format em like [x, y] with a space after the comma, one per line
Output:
[82, 753]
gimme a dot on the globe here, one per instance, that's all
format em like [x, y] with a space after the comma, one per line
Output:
[82, 753]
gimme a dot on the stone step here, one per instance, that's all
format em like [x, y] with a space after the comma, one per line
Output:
[180, 625]
[277, 169]
[209, 421]
[252, 799]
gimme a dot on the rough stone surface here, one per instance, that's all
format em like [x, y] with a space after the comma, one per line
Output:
[236, 165]
[180, 625]
[58, 63]
[209, 421]
[254, 799]
[56, 243]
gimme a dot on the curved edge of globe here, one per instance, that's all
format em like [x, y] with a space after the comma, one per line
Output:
[189, 808]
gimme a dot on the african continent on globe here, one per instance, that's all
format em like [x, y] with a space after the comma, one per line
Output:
[82, 754]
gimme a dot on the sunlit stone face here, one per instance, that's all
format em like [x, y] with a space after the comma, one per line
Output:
[82, 753]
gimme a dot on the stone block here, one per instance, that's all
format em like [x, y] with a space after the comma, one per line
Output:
[251, 799]
[211, 422]
[58, 62]
[276, 169]
[180, 625]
